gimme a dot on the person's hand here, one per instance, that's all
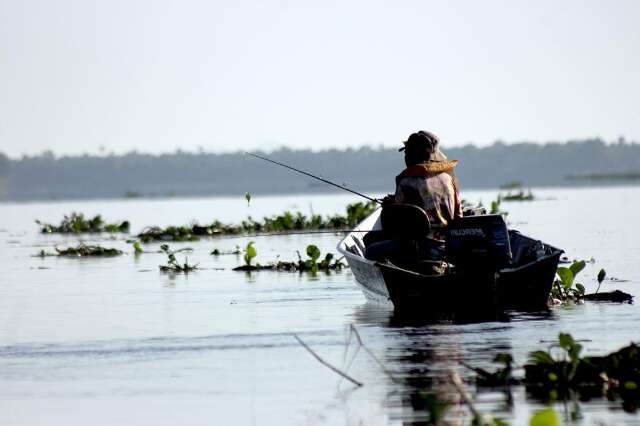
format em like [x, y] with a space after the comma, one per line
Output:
[388, 199]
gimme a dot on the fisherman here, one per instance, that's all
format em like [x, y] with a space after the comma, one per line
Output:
[429, 183]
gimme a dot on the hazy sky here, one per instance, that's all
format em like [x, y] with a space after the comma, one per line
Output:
[159, 75]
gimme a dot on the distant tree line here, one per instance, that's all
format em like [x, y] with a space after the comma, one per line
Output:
[46, 176]
[4, 165]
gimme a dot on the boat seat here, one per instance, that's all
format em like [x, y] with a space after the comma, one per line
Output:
[405, 221]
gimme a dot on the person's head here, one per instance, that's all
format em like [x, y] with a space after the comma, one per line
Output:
[419, 147]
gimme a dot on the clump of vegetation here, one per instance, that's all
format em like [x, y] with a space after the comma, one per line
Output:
[561, 371]
[288, 221]
[495, 206]
[614, 375]
[82, 250]
[249, 253]
[501, 377]
[515, 192]
[76, 223]
[518, 196]
[311, 264]
[172, 264]
[565, 289]
[137, 248]
[170, 233]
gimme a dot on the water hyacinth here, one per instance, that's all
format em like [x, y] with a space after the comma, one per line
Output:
[173, 265]
[83, 250]
[76, 223]
[287, 221]
[310, 264]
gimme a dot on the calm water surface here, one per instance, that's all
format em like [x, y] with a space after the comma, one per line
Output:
[113, 341]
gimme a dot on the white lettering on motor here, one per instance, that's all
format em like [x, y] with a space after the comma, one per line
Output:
[473, 232]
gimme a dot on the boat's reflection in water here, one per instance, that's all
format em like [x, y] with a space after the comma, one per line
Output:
[423, 351]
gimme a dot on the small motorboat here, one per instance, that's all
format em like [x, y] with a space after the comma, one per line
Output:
[483, 265]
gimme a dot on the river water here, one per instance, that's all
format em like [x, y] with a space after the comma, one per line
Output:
[114, 341]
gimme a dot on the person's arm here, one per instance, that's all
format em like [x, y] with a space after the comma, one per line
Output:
[398, 197]
[457, 203]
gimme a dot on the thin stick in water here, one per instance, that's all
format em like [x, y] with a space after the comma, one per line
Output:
[384, 368]
[457, 383]
[326, 364]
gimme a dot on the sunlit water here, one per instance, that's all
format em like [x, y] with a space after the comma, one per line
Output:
[114, 341]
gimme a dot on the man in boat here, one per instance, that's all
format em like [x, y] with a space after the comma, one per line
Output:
[429, 183]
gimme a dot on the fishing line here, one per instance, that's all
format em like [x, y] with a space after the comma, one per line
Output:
[279, 234]
[315, 177]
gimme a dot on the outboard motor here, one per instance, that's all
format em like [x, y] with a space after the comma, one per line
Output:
[479, 242]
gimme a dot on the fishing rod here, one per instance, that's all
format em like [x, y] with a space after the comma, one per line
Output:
[315, 177]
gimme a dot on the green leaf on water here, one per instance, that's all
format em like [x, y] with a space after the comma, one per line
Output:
[313, 252]
[137, 248]
[577, 266]
[566, 340]
[601, 275]
[580, 288]
[540, 358]
[249, 253]
[546, 417]
[566, 276]
[503, 358]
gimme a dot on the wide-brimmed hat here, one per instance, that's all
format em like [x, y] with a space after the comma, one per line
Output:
[421, 140]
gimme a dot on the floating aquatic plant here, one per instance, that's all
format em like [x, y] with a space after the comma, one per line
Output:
[137, 248]
[82, 250]
[601, 276]
[170, 233]
[561, 370]
[501, 377]
[616, 375]
[565, 289]
[515, 192]
[310, 264]
[76, 223]
[287, 221]
[495, 206]
[172, 264]
[249, 253]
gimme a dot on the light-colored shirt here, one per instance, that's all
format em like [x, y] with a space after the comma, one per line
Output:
[431, 186]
